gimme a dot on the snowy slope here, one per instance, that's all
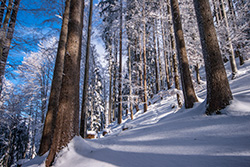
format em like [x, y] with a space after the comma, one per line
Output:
[171, 137]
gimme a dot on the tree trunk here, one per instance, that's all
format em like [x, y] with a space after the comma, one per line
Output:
[218, 89]
[66, 122]
[231, 57]
[165, 55]
[130, 84]
[160, 68]
[5, 41]
[2, 8]
[157, 85]
[50, 120]
[114, 80]
[187, 85]
[144, 60]
[175, 63]
[120, 70]
[198, 79]
[110, 82]
[83, 123]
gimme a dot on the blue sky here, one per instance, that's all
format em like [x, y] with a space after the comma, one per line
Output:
[32, 24]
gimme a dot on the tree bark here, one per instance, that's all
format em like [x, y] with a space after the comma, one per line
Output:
[66, 123]
[50, 120]
[130, 84]
[120, 70]
[2, 8]
[114, 80]
[145, 107]
[175, 63]
[165, 54]
[110, 82]
[5, 40]
[187, 85]
[218, 89]
[198, 79]
[231, 57]
[157, 85]
[83, 123]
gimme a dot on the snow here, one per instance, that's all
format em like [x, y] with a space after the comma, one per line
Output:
[172, 137]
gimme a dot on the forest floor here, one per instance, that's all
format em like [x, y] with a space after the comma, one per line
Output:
[167, 136]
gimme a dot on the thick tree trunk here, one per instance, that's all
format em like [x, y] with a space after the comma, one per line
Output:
[50, 120]
[187, 85]
[67, 123]
[120, 70]
[218, 89]
[83, 122]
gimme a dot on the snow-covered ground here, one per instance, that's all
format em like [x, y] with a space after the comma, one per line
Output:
[171, 137]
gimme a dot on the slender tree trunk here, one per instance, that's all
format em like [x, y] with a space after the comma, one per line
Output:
[160, 67]
[120, 70]
[2, 9]
[140, 68]
[144, 60]
[157, 84]
[165, 55]
[198, 79]
[66, 123]
[50, 120]
[187, 85]
[5, 40]
[130, 84]
[110, 82]
[136, 76]
[218, 89]
[114, 80]
[175, 63]
[83, 123]
[5, 26]
[231, 57]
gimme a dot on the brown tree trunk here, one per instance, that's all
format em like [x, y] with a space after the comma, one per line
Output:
[231, 57]
[120, 70]
[110, 82]
[5, 40]
[83, 122]
[114, 79]
[165, 54]
[144, 61]
[157, 84]
[218, 89]
[130, 84]
[50, 120]
[175, 63]
[2, 8]
[198, 79]
[66, 123]
[187, 85]
[160, 67]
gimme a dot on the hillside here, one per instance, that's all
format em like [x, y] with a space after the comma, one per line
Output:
[166, 136]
